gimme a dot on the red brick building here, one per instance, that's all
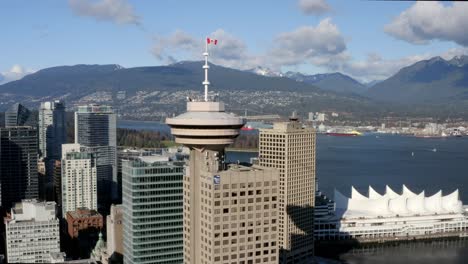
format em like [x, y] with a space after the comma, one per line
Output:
[83, 219]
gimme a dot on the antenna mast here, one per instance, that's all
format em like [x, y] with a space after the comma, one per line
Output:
[206, 67]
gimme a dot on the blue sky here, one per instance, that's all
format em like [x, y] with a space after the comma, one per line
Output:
[365, 39]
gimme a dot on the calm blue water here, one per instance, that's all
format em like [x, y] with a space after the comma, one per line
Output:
[343, 162]
[378, 160]
[143, 125]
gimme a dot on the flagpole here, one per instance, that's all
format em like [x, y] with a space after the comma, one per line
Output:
[206, 67]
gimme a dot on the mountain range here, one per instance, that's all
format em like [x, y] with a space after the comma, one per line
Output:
[337, 82]
[80, 80]
[429, 83]
[146, 92]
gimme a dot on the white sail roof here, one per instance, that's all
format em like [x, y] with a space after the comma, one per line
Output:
[407, 192]
[373, 194]
[392, 204]
[390, 193]
[356, 195]
[451, 203]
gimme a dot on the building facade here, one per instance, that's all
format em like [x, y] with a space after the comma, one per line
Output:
[114, 225]
[52, 129]
[19, 115]
[83, 220]
[79, 181]
[18, 164]
[32, 232]
[290, 148]
[152, 210]
[95, 130]
[238, 219]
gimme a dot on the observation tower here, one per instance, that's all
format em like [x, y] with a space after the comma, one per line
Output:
[205, 126]
[206, 129]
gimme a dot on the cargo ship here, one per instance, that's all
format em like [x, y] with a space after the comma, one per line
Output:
[353, 133]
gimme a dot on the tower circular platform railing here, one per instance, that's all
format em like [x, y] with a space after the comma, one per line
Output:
[205, 124]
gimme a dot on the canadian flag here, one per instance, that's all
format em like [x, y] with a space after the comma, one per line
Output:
[211, 41]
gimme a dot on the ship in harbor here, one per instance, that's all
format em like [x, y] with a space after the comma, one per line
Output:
[352, 133]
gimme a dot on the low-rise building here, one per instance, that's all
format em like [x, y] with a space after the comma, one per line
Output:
[83, 219]
[32, 232]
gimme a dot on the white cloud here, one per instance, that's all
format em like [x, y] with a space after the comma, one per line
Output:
[308, 44]
[177, 41]
[314, 7]
[116, 11]
[426, 21]
[449, 54]
[230, 51]
[16, 72]
[322, 46]
[318, 45]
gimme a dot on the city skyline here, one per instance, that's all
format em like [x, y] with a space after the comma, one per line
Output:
[224, 175]
[314, 36]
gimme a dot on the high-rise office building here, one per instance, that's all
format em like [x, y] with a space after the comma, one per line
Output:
[290, 147]
[18, 164]
[95, 130]
[95, 125]
[19, 115]
[221, 221]
[152, 210]
[52, 129]
[32, 232]
[79, 182]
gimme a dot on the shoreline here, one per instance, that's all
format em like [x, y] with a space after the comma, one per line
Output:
[241, 150]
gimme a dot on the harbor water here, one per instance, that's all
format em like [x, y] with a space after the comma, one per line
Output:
[429, 164]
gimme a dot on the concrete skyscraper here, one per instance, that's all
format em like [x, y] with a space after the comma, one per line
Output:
[52, 129]
[230, 212]
[95, 130]
[18, 164]
[290, 147]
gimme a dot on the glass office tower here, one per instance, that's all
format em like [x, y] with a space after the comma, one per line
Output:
[95, 131]
[18, 164]
[153, 210]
